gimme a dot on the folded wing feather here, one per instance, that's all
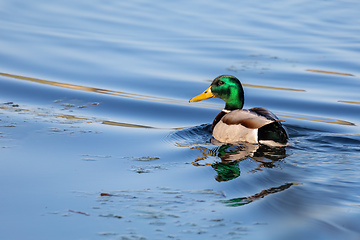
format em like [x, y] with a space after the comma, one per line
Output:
[247, 118]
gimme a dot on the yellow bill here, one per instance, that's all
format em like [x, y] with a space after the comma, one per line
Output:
[205, 95]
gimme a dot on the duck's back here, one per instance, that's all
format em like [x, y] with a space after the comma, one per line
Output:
[256, 125]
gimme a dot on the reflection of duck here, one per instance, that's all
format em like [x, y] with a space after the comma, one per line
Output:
[232, 154]
[234, 124]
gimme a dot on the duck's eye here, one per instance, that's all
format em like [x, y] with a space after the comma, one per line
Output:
[221, 83]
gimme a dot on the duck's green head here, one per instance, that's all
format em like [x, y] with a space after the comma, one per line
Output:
[226, 87]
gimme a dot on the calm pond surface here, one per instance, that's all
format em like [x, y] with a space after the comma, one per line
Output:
[98, 140]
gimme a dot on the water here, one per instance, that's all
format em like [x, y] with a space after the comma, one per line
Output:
[98, 140]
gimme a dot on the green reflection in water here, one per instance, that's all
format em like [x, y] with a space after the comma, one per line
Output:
[228, 156]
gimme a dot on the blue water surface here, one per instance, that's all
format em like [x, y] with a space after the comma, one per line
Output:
[98, 140]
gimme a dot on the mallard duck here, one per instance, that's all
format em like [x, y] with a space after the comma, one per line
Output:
[234, 124]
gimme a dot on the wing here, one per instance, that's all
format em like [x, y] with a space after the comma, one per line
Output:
[247, 118]
[264, 113]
